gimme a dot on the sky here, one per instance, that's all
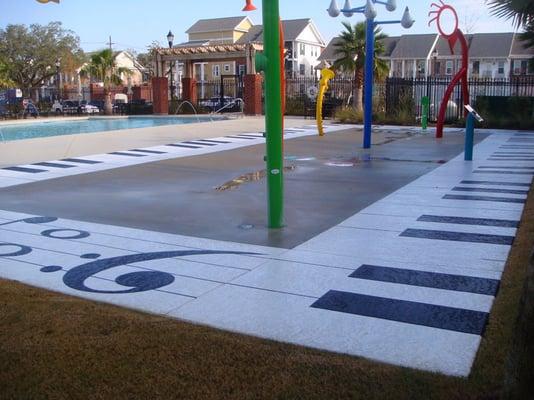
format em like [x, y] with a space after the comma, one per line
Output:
[135, 24]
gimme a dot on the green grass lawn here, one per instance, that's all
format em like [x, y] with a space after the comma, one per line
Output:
[59, 347]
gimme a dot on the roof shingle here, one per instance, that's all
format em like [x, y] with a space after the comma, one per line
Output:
[215, 25]
[414, 46]
[292, 29]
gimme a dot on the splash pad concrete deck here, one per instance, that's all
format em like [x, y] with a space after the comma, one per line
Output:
[389, 255]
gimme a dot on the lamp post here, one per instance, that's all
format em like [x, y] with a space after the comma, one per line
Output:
[58, 78]
[170, 39]
[370, 13]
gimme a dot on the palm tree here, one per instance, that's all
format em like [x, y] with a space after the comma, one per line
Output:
[521, 12]
[350, 50]
[103, 67]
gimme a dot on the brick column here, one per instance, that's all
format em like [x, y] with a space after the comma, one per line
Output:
[142, 92]
[189, 90]
[96, 92]
[160, 95]
[252, 94]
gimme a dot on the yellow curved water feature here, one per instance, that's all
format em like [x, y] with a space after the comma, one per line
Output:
[326, 75]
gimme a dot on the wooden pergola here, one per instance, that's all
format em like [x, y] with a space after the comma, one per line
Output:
[189, 55]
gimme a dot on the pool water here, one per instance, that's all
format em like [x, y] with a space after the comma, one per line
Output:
[59, 128]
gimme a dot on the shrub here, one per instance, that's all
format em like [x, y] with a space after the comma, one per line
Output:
[500, 112]
[348, 115]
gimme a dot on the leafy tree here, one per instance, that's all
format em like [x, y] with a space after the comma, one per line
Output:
[147, 59]
[29, 54]
[103, 67]
[5, 82]
[350, 53]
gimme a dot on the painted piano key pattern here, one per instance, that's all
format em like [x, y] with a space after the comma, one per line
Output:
[403, 281]
[23, 174]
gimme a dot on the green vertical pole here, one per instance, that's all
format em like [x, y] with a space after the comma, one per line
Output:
[425, 101]
[273, 112]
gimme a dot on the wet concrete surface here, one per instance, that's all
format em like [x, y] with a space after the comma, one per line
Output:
[331, 181]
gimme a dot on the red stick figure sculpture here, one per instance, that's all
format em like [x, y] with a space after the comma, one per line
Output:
[452, 38]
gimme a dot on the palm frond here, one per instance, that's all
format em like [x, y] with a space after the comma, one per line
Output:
[350, 50]
[521, 12]
[527, 37]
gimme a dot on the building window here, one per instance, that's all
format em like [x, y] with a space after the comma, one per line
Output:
[201, 72]
[302, 49]
[521, 67]
[421, 67]
[476, 68]
[216, 71]
[302, 69]
[408, 69]
[242, 69]
[397, 69]
[437, 68]
[448, 68]
[516, 67]
[524, 67]
[226, 67]
[500, 69]
[487, 70]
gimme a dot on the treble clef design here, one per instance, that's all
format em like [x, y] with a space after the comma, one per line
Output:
[140, 281]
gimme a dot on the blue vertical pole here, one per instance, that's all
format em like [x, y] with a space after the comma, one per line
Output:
[368, 84]
[469, 137]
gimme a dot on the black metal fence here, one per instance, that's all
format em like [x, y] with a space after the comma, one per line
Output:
[19, 103]
[49, 94]
[397, 90]
[301, 95]
[398, 95]
[216, 94]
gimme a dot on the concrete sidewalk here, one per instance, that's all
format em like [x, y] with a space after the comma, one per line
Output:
[58, 147]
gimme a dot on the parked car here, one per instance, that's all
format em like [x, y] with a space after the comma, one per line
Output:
[88, 108]
[214, 103]
[74, 107]
[98, 104]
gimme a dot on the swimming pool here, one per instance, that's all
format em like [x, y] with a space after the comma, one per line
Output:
[59, 128]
